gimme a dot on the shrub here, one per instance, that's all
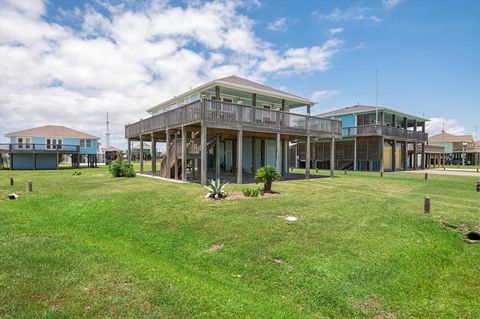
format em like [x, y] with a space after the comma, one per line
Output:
[267, 175]
[250, 192]
[121, 168]
[216, 189]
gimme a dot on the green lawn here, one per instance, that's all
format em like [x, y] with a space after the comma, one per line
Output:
[96, 246]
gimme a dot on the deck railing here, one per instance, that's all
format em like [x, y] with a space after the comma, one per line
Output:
[383, 130]
[229, 115]
[36, 147]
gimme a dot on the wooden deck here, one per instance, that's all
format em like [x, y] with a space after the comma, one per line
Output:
[389, 132]
[224, 115]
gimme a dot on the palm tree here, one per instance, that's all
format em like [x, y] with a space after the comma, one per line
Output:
[267, 175]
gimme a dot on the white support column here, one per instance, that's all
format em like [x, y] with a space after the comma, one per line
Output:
[203, 155]
[332, 157]
[278, 159]
[184, 154]
[239, 157]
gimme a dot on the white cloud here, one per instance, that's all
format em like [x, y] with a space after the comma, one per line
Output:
[278, 25]
[350, 14]
[128, 60]
[435, 126]
[389, 4]
[322, 95]
[333, 31]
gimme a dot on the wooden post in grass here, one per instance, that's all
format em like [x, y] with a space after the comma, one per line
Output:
[11, 181]
[426, 206]
[30, 186]
[345, 171]
[426, 176]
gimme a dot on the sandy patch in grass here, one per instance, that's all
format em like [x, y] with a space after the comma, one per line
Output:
[214, 248]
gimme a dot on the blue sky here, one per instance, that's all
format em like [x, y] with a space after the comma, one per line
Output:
[69, 62]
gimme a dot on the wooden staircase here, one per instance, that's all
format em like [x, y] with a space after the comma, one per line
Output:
[175, 150]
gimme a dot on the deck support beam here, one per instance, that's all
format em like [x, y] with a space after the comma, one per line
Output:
[355, 153]
[278, 159]
[168, 158]
[129, 152]
[405, 155]
[217, 156]
[332, 157]
[285, 157]
[203, 155]
[394, 155]
[141, 154]
[415, 156]
[184, 154]
[423, 156]
[307, 158]
[254, 155]
[239, 157]
[380, 153]
[175, 156]
[154, 155]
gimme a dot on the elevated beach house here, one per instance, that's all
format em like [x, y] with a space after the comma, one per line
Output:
[373, 139]
[458, 148]
[43, 147]
[227, 128]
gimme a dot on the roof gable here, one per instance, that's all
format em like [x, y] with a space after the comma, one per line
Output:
[447, 137]
[237, 83]
[355, 109]
[52, 131]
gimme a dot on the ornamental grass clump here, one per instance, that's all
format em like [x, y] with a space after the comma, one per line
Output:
[121, 168]
[267, 175]
[250, 192]
[216, 189]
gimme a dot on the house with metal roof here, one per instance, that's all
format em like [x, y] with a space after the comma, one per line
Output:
[458, 148]
[227, 127]
[43, 147]
[374, 138]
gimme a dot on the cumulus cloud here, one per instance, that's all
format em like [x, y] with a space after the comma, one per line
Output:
[436, 124]
[71, 67]
[278, 25]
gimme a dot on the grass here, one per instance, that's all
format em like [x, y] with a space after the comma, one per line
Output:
[96, 246]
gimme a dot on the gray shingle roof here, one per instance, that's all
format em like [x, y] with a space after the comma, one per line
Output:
[51, 131]
[255, 85]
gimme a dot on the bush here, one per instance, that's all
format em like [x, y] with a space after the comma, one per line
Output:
[267, 175]
[121, 168]
[250, 192]
[216, 189]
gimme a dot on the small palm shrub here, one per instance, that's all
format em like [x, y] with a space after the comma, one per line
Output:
[216, 189]
[250, 192]
[121, 168]
[267, 175]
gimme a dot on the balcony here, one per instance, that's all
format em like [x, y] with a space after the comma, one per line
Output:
[224, 115]
[38, 148]
[386, 131]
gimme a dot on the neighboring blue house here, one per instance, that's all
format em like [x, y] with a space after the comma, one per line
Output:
[374, 138]
[43, 147]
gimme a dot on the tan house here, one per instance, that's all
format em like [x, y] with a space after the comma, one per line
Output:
[457, 145]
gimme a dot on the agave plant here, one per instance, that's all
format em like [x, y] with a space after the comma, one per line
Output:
[216, 189]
